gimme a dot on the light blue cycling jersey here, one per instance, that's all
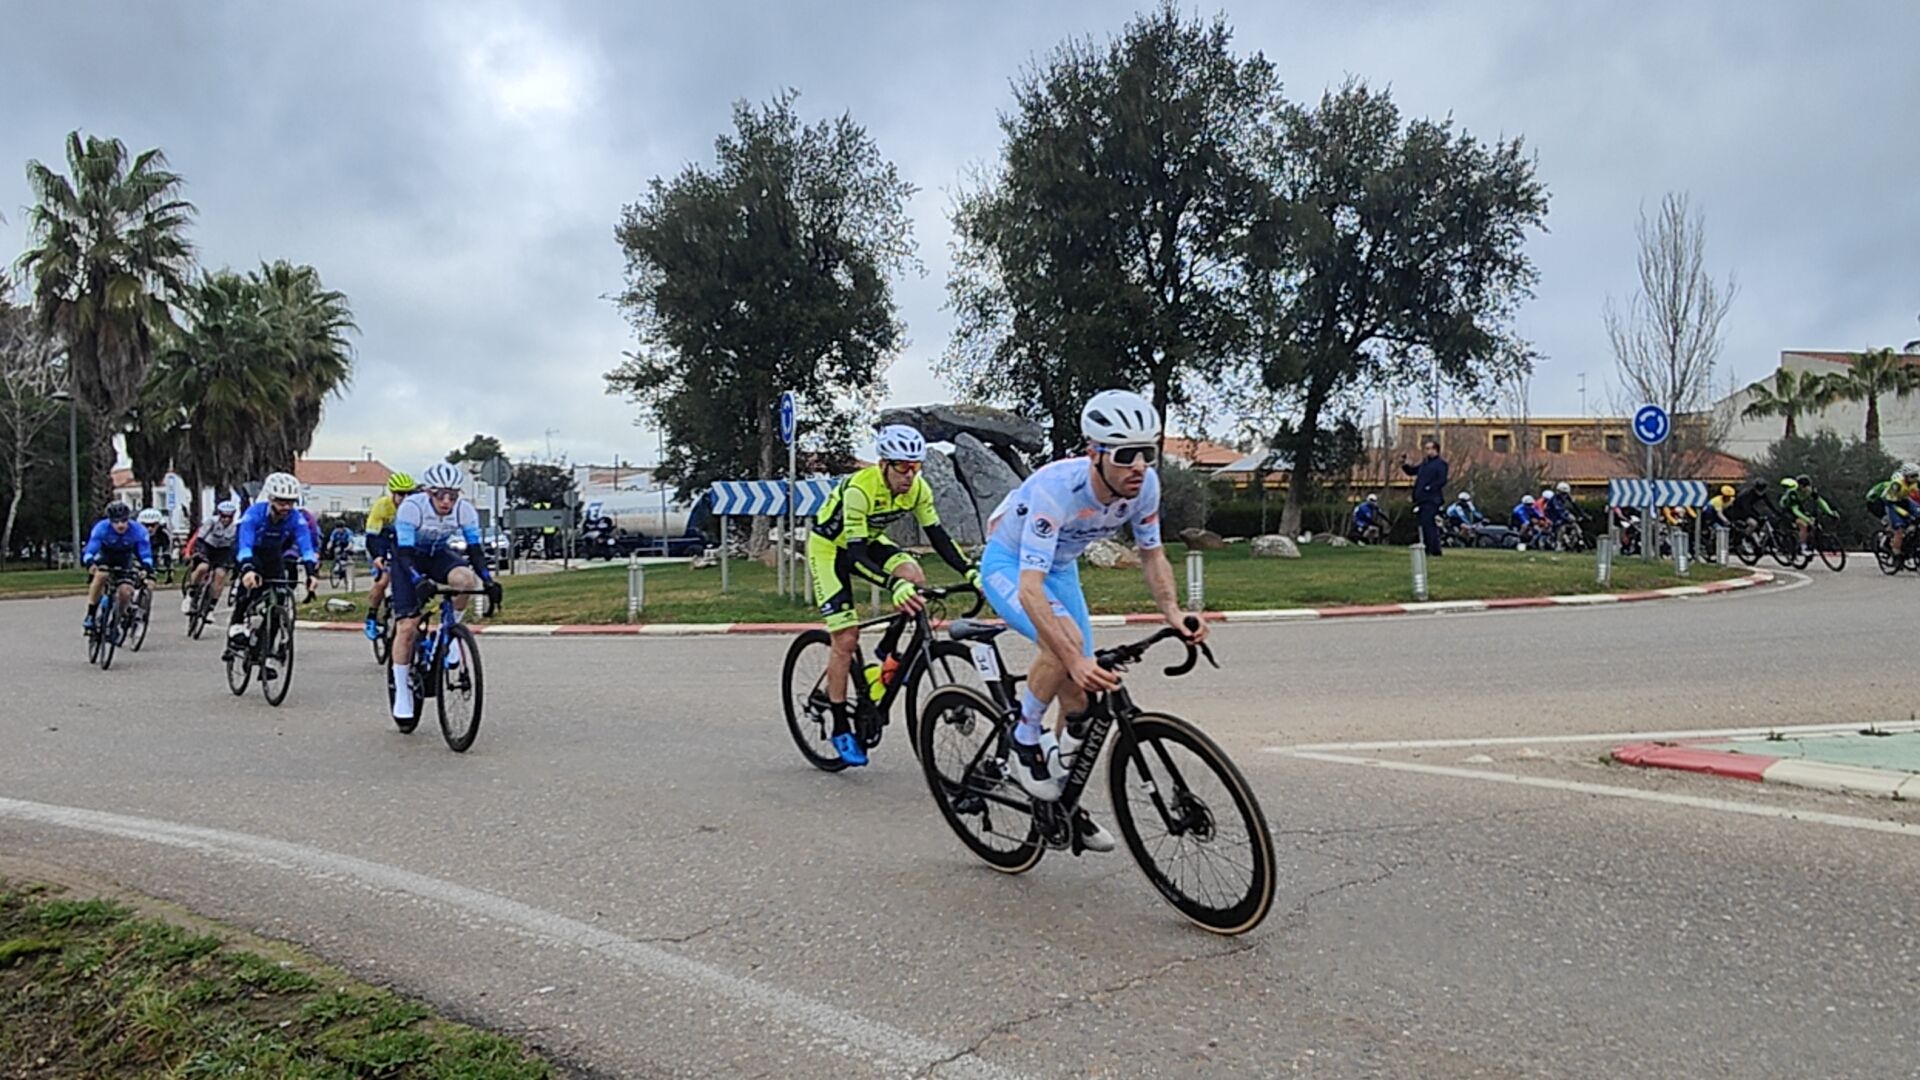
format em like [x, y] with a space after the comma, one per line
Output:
[1052, 517]
[415, 525]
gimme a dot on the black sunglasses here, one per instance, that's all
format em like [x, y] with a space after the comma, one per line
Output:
[1133, 455]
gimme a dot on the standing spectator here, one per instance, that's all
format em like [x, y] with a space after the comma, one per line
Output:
[1429, 491]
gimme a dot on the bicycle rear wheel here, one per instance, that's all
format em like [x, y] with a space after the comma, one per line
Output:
[959, 736]
[803, 694]
[276, 654]
[142, 613]
[383, 644]
[462, 688]
[1192, 824]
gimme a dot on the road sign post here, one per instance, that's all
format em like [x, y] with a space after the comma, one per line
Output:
[1651, 426]
[789, 424]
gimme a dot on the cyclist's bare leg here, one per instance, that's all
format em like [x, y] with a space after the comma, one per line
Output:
[1048, 681]
[96, 585]
[840, 663]
[462, 577]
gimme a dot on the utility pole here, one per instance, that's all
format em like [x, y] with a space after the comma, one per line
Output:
[1583, 394]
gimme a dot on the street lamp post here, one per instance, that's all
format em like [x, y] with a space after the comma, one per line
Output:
[73, 464]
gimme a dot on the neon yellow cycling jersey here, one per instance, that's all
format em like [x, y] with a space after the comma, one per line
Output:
[380, 515]
[862, 506]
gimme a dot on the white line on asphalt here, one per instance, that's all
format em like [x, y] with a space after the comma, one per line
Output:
[1728, 806]
[855, 1035]
[1611, 736]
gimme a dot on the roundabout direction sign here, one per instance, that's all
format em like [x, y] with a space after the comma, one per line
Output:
[1650, 425]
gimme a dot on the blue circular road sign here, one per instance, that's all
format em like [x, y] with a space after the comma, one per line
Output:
[786, 417]
[1650, 425]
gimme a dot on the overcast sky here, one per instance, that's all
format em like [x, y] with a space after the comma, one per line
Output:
[457, 169]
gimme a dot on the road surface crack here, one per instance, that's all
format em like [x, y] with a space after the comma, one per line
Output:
[682, 939]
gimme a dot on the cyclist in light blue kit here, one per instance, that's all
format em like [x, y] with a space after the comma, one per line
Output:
[1030, 575]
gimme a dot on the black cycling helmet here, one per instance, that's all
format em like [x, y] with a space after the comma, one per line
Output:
[119, 511]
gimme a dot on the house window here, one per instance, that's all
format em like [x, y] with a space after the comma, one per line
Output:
[1556, 442]
[1616, 443]
[1500, 442]
[366, 502]
[333, 506]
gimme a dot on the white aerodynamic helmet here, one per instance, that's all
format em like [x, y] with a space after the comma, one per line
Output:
[442, 475]
[150, 516]
[227, 506]
[281, 486]
[1372, 498]
[898, 442]
[1120, 418]
[1465, 496]
[1563, 487]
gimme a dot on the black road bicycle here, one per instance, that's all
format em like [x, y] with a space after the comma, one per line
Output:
[925, 660]
[1188, 817]
[268, 647]
[119, 620]
[458, 690]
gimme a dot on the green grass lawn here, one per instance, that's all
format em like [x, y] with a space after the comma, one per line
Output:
[25, 583]
[89, 988]
[1235, 581]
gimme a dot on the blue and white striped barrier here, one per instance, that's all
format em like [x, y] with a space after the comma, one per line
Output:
[766, 498]
[1656, 493]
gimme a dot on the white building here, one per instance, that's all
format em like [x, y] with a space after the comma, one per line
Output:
[1899, 418]
[332, 486]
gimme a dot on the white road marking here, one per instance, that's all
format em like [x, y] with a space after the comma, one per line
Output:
[888, 1046]
[1728, 806]
[1611, 736]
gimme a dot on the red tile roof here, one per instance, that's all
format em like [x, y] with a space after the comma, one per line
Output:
[1201, 452]
[352, 472]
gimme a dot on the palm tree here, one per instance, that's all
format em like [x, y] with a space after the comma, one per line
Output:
[311, 324]
[109, 254]
[1874, 373]
[229, 375]
[1791, 395]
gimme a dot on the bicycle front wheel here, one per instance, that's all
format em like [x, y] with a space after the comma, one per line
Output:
[803, 694]
[1832, 551]
[142, 612]
[383, 644]
[949, 663]
[110, 633]
[1192, 824]
[276, 655]
[959, 741]
[462, 688]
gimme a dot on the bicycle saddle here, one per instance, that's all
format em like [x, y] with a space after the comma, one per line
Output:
[972, 630]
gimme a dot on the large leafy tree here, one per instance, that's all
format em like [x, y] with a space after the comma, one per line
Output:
[1874, 374]
[32, 368]
[1115, 243]
[108, 255]
[479, 450]
[763, 272]
[538, 484]
[1406, 260]
[1789, 395]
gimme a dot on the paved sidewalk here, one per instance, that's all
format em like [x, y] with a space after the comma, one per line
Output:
[1880, 761]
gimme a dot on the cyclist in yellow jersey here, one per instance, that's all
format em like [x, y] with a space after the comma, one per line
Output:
[849, 539]
[380, 540]
[1901, 503]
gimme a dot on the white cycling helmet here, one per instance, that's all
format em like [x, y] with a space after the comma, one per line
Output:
[1372, 498]
[1526, 500]
[227, 507]
[442, 475]
[281, 486]
[1563, 487]
[150, 516]
[1546, 493]
[1120, 418]
[1465, 496]
[898, 442]
[1910, 470]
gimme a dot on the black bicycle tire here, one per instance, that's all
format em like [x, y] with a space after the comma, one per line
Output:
[792, 709]
[1834, 557]
[95, 637]
[1264, 874]
[383, 641]
[937, 650]
[146, 617]
[111, 632]
[278, 619]
[1017, 860]
[469, 659]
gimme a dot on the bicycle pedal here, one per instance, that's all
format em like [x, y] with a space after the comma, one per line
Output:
[968, 802]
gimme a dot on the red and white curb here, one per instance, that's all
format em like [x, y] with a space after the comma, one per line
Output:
[1274, 615]
[1765, 768]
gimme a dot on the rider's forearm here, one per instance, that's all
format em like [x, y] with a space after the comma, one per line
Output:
[944, 547]
[1159, 574]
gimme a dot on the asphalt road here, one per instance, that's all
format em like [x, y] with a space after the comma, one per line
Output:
[634, 870]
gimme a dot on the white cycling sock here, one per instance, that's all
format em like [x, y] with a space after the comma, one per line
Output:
[1033, 716]
[402, 692]
[453, 651]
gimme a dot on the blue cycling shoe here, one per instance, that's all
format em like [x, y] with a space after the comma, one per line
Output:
[851, 752]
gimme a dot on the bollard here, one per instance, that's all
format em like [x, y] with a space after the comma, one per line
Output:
[1679, 541]
[636, 587]
[724, 545]
[1419, 572]
[1196, 581]
[1721, 541]
[1603, 560]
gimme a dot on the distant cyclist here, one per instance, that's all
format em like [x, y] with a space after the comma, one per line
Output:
[1800, 504]
[272, 532]
[380, 544]
[849, 540]
[115, 543]
[210, 550]
[425, 529]
[1368, 521]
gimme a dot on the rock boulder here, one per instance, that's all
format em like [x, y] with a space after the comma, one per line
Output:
[1202, 540]
[1113, 555]
[941, 423]
[1275, 547]
[986, 476]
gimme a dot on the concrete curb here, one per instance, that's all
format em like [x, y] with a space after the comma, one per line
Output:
[1762, 768]
[1274, 615]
